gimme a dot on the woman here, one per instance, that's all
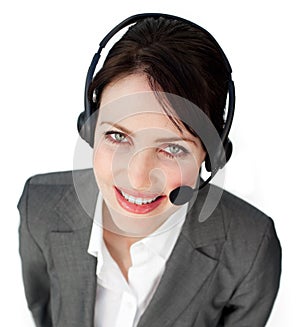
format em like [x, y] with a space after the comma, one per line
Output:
[149, 256]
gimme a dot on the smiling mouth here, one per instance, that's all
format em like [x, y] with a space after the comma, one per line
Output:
[138, 204]
[138, 200]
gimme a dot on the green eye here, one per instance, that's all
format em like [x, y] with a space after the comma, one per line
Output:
[119, 137]
[173, 149]
[116, 137]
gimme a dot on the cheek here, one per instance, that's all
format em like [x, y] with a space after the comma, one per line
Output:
[186, 170]
[102, 164]
[183, 174]
[110, 165]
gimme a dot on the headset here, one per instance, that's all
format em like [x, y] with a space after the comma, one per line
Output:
[223, 152]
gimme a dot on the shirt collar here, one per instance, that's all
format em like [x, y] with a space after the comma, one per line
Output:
[96, 237]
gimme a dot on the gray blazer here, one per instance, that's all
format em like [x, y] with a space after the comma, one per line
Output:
[224, 271]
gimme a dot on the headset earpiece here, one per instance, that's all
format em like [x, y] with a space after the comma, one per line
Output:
[207, 163]
[82, 127]
[228, 151]
[221, 157]
[85, 126]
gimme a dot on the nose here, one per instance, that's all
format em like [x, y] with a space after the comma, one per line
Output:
[140, 169]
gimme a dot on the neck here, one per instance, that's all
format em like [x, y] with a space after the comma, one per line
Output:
[120, 241]
[112, 237]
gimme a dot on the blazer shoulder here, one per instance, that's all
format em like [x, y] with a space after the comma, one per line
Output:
[230, 211]
[58, 178]
[245, 224]
[232, 220]
[41, 188]
[49, 186]
[234, 207]
[42, 194]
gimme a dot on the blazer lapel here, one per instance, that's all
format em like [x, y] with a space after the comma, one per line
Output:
[192, 262]
[74, 267]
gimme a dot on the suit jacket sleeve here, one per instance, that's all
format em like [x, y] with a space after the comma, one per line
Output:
[252, 301]
[34, 268]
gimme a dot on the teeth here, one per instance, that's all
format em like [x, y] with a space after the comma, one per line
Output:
[138, 201]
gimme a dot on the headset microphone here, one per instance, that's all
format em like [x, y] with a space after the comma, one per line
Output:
[184, 193]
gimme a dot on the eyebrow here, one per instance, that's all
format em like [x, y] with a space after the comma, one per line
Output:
[164, 139]
[123, 129]
[174, 139]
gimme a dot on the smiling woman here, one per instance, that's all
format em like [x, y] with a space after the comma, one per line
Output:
[110, 246]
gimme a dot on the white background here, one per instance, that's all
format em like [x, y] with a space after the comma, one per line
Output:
[46, 47]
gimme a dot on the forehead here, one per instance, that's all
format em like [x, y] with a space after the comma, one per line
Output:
[125, 86]
[130, 100]
[128, 96]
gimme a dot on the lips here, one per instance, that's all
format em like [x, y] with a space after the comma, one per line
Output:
[136, 202]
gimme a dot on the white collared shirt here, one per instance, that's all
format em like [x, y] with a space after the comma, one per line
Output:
[120, 303]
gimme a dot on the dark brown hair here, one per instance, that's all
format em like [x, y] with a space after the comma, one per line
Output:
[177, 58]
